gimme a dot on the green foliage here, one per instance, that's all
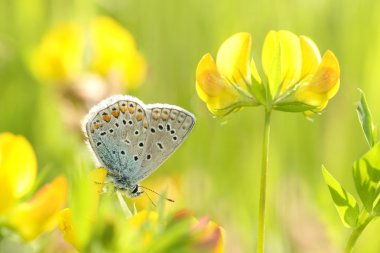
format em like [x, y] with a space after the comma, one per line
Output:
[345, 203]
[367, 177]
[365, 119]
[366, 173]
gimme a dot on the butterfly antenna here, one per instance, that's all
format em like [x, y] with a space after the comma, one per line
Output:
[150, 199]
[146, 188]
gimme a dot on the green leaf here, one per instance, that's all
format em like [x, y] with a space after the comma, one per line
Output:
[345, 203]
[294, 106]
[366, 122]
[367, 176]
[258, 91]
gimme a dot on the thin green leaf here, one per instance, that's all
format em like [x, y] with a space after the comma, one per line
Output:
[293, 107]
[345, 203]
[367, 176]
[376, 208]
[365, 119]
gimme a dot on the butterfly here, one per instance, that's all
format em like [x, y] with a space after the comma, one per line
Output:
[131, 139]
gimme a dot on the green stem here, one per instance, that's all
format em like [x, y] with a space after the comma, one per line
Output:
[356, 233]
[263, 183]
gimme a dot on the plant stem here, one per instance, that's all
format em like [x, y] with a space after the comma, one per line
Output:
[356, 233]
[263, 183]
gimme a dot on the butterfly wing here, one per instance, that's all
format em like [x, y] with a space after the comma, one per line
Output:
[116, 129]
[169, 126]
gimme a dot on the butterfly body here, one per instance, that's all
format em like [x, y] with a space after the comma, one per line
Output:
[131, 139]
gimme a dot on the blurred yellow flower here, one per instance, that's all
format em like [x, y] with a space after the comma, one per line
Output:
[223, 85]
[209, 235]
[297, 78]
[39, 214]
[18, 168]
[104, 48]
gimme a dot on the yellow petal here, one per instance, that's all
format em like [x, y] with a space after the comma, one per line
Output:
[97, 178]
[233, 58]
[310, 56]
[254, 72]
[39, 214]
[115, 54]
[323, 85]
[212, 88]
[137, 220]
[59, 56]
[146, 219]
[282, 60]
[18, 168]
[219, 240]
[326, 79]
[67, 227]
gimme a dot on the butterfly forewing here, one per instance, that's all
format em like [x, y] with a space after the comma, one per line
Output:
[116, 131]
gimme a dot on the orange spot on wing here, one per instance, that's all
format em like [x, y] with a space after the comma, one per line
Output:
[139, 117]
[115, 113]
[106, 118]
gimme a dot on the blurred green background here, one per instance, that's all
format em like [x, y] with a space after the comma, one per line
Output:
[219, 163]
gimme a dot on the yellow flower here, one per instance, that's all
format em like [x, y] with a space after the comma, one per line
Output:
[104, 48]
[297, 78]
[223, 85]
[18, 168]
[39, 214]
[59, 55]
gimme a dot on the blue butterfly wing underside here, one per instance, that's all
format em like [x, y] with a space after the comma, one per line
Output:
[114, 129]
[132, 139]
[169, 126]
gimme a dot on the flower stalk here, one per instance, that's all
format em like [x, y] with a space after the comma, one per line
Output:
[263, 182]
[356, 232]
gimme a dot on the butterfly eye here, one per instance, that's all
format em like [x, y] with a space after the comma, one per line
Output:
[135, 190]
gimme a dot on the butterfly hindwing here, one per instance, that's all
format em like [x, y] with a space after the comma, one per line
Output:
[168, 127]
